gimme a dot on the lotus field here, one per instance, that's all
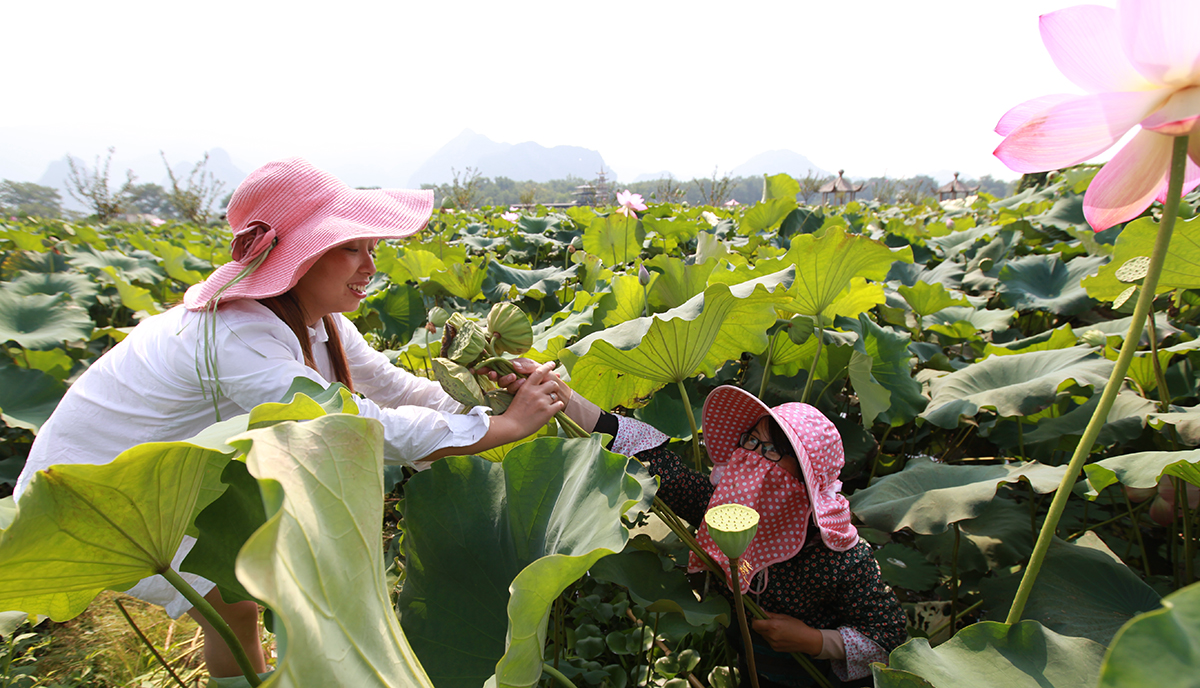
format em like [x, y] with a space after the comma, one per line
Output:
[960, 348]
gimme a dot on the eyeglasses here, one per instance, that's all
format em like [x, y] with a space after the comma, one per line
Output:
[768, 450]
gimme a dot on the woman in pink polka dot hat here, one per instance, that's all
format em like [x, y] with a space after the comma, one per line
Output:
[806, 565]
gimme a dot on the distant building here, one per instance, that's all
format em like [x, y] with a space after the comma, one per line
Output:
[952, 189]
[840, 190]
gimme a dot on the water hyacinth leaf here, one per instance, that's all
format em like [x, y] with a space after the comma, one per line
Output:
[1083, 590]
[621, 364]
[1140, 469]
[28, 397]
[401, 310]
[616, 239]
[825, 266]
[1024, 655]
[42, 321]
[1181, 269]
[505, 282]
[534, 524]
[1159, 648]
[317, 561]
[926, 497]
[1046, 283]
[660, 591]
[81, 529]
[81, 288]
[1017, 385]
[927, 299]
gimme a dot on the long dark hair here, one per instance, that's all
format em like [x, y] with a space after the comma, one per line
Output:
[779, 438]
[287, 307]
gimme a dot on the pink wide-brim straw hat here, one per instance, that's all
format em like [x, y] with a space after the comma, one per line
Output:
[297, 213]
[730, 411]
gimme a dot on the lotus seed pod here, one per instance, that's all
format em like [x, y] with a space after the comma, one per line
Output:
[438, 316]
[732, 527]
[802, 328]
[510, 329]
[463, 340]
[1093, 338]
[458, 382]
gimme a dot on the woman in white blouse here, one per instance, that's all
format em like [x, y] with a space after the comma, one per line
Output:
[302, 252]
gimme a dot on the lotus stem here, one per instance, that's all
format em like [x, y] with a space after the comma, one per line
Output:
[1021, 436]
[1100, 415]
[1181, 498]
[766, 376]
[687, 406]
[206, 610]
[146, 641]
[747, 645]
[933, 634]
[1164, 396]
[812, 372]
[1137, 532]
[558, 675]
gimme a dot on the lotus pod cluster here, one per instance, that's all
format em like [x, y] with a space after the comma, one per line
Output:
[732, 527]
[463, 341]
[507, 331]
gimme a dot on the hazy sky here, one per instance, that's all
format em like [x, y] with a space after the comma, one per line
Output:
[371, 88]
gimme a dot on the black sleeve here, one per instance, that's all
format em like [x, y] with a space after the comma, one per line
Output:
[684, 490]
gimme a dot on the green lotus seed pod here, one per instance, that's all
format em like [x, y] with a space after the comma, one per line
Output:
[1093, 338]
[438, 316]
[458, 382]
[463, 340]
[510, 329]
[802, 328]
[732, 527]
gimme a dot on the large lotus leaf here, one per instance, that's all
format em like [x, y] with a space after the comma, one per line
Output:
[763, 216]
[80, 529]
[1186, 422]
[780, 185]
[861, 296]
[622, 364]
[28, 397]
[1160, 648]
[904, 567]
[658, 590]
[1017, 385]
[826, 264]
[891, 368]
[1060, 338]
[406, 264]
[1120, 327]
[989, 653]
[550, 336]
[927, 497]
[625, 301]
[224, 526]
[926, 299]
[176, 261]
[483, 538]
[616, 239]
[947, 273]
[318, 560]
[81, 288]
[401, 310]
[133, 297]
[788, 359]
[956, 242]
[873, 398]
[137, 266]
[1141, 469]
[56, 363]
[1181, 270]
[506, 283]
[986, 320]
[666, 413]
[677, 281]
[462, 279]
[676, 229]
[1125, 421]
[1066, 213]
[42, 321]
[1046, 283]
[998, 538]
[1082, 590]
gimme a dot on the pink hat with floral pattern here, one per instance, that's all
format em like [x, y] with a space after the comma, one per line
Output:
[730, 411]
[286, 214]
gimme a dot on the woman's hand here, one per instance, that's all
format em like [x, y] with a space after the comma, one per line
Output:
[523, 366]
[537, 399]
[788, 634]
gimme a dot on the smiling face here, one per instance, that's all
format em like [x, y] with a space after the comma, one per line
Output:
[789, 463]
[337, 282]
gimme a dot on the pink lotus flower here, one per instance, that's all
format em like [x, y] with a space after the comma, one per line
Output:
[731, 203]
[511, 217]
[1140, 64]
[630, 203]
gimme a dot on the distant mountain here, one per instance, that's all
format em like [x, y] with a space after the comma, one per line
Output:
[527, 161]
[776, 161]
[654, 176]
[220, 165]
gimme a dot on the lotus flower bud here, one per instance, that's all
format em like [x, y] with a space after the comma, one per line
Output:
[1093, 338]
[802, 328]
[732, 527]
[510, 329]
[438, 316]
[643, 276]
[463, 341]
[458, 382]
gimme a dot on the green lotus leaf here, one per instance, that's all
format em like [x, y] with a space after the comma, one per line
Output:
[1017, 385]
[318, 559]
[677, 281]
[904, 567]
[42, 321]
[709, 247]
[1159, 648]
[406, 264]
[984, 319]
[80, 529]
[133, 297]
[1082, 590]
[625, 301]
[956, 242]
[1024, 655]
[22, 240]
[28, 397]
[658, 590]
[891, 367]
[81, 288]
[1186, 422]
[1140, 469]
[56, 363]
[873, 398]
[861, 296]
[621, 364]
[464, 280]
[1120, 328]
[763, 216]
[1181, 269]
[927, 497]
[666, 413]
[550, 336]
[1066, 213]
[44, 262]
[1125, 421]
[136, 266]
[1060, 338]
[674, 229]
[927, 299]
[177, 262]
[780, 186]
[506, 282]
[401, 310]
[998, 538]
[1046, 283]
[825, 266]
[530, 526]
[616, 239]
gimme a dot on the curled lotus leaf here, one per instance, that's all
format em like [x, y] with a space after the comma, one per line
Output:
[458, 382]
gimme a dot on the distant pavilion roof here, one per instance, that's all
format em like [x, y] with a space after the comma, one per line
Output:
[955, 187]
[839, 188]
